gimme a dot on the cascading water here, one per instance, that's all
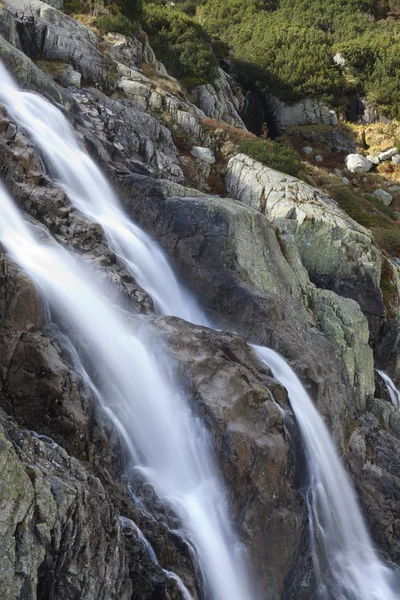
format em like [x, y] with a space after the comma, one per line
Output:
[90, 192]
[341, 541]
[391, 388]
[170, 446]
[340, 535]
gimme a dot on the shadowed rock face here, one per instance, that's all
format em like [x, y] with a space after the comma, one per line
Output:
[281, 266]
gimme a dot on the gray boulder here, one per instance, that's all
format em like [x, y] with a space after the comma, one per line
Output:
[388, 154]
[384, 196]
[335, 250]
[69, 77]
[49, 33]
[29, 76]
[373, 159]
[356, 163]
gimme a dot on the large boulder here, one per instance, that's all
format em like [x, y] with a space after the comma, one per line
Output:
[356, 163]
[251, 283]
[338, 253]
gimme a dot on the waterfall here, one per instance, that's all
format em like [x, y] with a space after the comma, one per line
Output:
[165, 441]
[336, 524]
[339, 535]
[89, 191]
[391, 388]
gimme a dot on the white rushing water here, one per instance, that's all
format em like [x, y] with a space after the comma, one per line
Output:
[337, 526]
[342, 546]
[391, 388]
[89, 191]
[163, 437]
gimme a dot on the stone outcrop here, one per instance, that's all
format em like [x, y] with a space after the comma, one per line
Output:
[335, 250]
[45, 32]
[219, 101]
[308, 111]
[279, 263]
[54, 517]
[372, 459]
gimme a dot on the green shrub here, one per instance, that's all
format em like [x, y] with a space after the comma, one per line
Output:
[271, 154]
[75, 7]
[388, 239]
[180, 43]
[377, 202]
[117, 24]
[290, 44]
[132, 9]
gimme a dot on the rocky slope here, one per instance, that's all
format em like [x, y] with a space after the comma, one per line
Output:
[278, 262]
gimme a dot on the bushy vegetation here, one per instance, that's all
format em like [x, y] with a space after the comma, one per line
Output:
[180, 42]
[117, 24]
[287, 44]
[271, 154]
[119, 16]
[291, 44]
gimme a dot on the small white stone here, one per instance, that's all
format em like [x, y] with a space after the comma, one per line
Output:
[203, 154]
[387, 155]
[396, 159]
[345, 181]
[373, 159]
[318, 158]
[307, 150]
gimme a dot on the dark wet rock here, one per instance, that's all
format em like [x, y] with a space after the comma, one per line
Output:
[374, 465]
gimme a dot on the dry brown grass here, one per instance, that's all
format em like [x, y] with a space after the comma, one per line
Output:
[160, 83]
[225, 132]
[86, 19]
[52, 67]
[378, 136]
[390, 171]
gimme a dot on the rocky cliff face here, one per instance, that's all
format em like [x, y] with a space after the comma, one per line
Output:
[278, 262]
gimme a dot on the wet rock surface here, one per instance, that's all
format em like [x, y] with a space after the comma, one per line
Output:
[279, 264]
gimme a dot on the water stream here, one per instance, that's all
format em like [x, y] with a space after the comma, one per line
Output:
[165, 441]
[89, 191]
[143, 401]
[339, 535]
[391, 388]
